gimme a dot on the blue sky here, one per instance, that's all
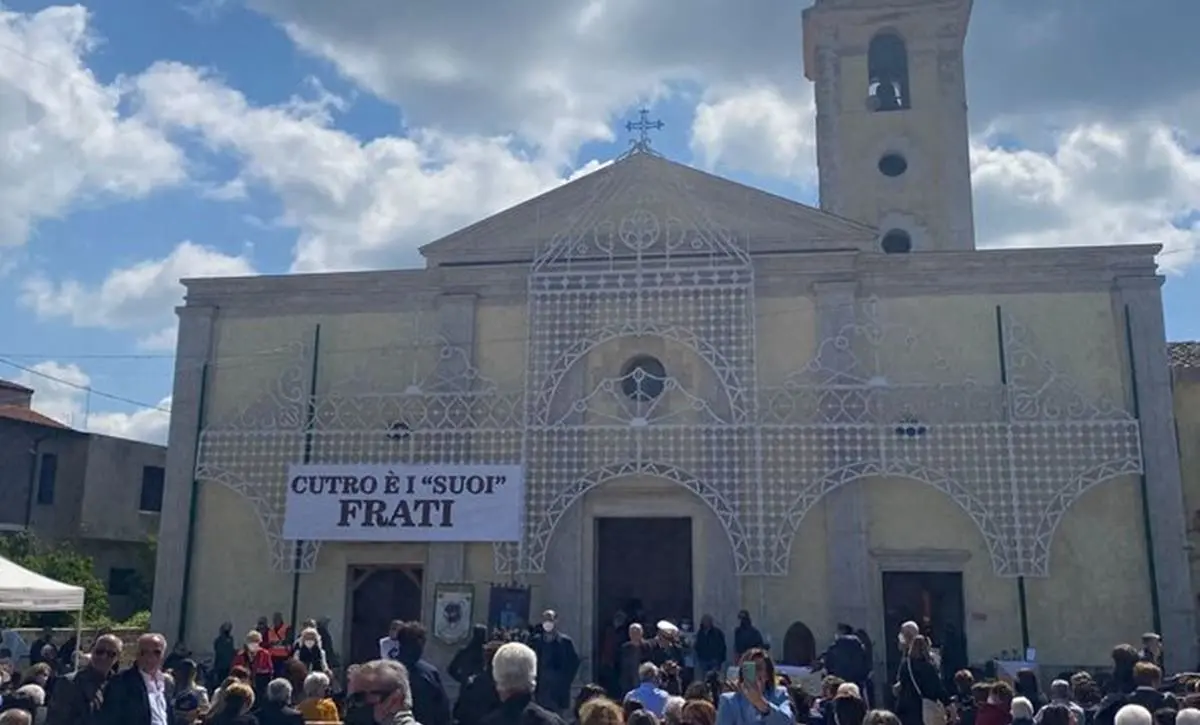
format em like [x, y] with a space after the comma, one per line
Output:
[150, 139]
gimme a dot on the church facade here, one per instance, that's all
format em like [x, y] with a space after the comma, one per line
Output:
[819, 415]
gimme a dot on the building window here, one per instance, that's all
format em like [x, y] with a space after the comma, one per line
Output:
[897, 241]
[47, 475]
[152, 489]
[121, 581]
[643, 379]
[887, 73]
[893, 164]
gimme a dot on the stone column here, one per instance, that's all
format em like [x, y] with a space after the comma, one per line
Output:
[845, 507]
[194, 350]
[1142, 297]
[445, 561]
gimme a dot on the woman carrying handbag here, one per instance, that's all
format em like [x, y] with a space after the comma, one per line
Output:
[921, 697]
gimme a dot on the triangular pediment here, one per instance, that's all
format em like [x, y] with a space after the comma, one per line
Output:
[643, 203]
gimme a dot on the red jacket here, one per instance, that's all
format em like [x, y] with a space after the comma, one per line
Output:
[259, 664]
[990, 714]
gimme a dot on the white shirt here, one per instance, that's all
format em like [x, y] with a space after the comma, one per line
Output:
[389, 649]
[156, 695]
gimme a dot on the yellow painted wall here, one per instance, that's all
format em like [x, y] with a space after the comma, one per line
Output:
[1097, 595]
[1091, 568]
[1187, 424]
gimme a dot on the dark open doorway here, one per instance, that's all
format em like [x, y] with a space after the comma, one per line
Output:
[377, 595]
[934, 600]
[644, 562]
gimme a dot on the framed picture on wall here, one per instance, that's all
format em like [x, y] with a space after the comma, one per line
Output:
[453, 611]
[508, 607]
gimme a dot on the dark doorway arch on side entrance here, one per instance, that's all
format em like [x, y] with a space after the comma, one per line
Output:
[799, 646]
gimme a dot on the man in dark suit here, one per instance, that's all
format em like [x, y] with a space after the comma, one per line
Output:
[77, 698]
[139, 695]
[274, 710]
[515, 667]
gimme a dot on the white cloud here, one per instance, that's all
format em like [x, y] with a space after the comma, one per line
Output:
[60, 392]
[551, 72]
[62, 136]
[1098, 184]
[757, 129]
[355, 204]
[141, 296]
[146, 424]
[1128, 183]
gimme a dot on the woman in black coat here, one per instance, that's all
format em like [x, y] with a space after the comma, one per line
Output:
[918, 680]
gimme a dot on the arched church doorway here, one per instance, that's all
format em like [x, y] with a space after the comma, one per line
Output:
[644, 568]
[638, 537]
[934, 600]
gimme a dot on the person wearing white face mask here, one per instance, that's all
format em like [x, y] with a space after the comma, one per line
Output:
[558, 663]
[256, 660]
[309, 650]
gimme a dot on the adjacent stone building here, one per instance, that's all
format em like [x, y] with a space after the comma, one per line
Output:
[722, 399]
[101, 493]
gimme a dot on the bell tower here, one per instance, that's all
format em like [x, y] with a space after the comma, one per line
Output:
[892, 144]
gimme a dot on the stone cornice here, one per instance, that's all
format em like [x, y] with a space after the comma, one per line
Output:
[1009, 271]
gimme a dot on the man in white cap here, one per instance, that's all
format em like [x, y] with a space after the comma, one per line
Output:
[666, 644]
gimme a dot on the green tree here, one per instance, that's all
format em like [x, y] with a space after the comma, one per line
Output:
[60, 562]
[143, 586]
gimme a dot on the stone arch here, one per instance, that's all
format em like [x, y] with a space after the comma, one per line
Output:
[799, 645]
[1062, 500]
[888, 71]
[545, 391]
[811, 493]
[542, 526]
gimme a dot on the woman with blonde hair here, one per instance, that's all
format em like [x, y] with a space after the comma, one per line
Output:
[311, 651]
[234, 707]
[601, 711]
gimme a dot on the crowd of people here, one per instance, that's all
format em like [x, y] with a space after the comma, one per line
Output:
[527, 676]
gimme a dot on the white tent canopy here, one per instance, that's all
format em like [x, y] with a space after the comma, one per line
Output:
[22, 590]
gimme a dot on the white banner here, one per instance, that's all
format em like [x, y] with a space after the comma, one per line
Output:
[404, 503]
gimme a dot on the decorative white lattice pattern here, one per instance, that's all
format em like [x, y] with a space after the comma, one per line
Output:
[641, 361]
[421, 401]
[641, 266]
[1013, 454]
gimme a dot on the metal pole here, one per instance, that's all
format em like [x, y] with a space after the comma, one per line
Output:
[309, 425]
[1147, 526]
[1022, 599]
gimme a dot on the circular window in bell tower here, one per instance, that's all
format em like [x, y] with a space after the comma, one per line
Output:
[643, 378]
[893, 165]
[896, 241]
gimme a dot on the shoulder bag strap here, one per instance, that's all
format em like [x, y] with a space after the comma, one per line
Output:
[913, 678]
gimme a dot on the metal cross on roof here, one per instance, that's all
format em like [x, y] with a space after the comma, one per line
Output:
[643, 126]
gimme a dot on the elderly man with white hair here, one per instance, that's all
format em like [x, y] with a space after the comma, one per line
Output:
[1187, 716]
[1133, 715]
[652, 697]
[515, 669]
[633, 653]
[140, 695]
[76, 698]
[1060, 694]
[15, 717]
[276, 709]
[380, 694]
[30, 699]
